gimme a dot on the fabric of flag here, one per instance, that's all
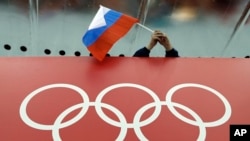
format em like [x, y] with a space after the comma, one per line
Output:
[107, 27]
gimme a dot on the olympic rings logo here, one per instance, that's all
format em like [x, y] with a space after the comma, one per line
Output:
[122, 123]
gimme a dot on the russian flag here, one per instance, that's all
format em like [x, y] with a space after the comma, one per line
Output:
[107, 27]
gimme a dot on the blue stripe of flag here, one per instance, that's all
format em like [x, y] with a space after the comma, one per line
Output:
[92, 35]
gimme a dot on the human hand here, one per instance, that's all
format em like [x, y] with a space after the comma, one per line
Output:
[160, 37]
[163, 40]
[155, 37]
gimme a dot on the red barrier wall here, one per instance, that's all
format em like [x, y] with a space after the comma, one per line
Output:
[158, 99]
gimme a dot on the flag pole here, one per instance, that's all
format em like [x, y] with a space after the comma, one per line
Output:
[143, 26]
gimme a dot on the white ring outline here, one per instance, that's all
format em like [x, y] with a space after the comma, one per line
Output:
[55, 130]
[218, 122]
[202, 128]
[24, 116]
[129, 125]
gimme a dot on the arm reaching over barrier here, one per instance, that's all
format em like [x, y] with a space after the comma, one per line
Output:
[156, 37]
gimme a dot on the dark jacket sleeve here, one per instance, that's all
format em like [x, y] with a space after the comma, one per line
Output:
[172, 53]
[143, 52]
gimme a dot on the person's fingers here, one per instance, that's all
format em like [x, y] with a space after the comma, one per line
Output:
[158, 33]
[164, 36]
[159, 36]
[157, 30]
[155, 36]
